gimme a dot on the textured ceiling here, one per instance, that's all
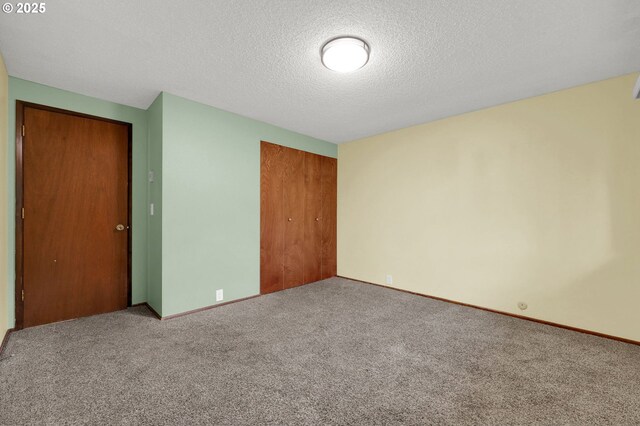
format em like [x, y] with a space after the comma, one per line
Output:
[429, 58]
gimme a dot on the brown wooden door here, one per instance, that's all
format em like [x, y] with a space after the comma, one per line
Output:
[272, 217]
[294, 188]
[297, 217]
[328, 220]
[75, 193]
[312, 218]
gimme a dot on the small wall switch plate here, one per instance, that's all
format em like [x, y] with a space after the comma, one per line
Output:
[151, 175]
[389, 279]
[151, 209]
[522, 306]
[219, 295]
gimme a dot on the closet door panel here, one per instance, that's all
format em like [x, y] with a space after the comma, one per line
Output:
[272, 225]
[328, 218]
[294, 218]
[312, 218]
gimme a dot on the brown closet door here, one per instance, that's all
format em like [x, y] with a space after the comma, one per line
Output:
[272, 217]
[312, 217]
[297, 217]
[328, 221]
[75, 195]
[294, 188]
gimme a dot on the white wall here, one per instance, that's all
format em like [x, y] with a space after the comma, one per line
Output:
[535, 201]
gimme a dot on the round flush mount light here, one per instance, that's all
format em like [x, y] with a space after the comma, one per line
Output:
[345, 54]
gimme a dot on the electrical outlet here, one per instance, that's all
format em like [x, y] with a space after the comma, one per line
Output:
[389, 279]
[522, 306]
[151, 176]
[219, 295]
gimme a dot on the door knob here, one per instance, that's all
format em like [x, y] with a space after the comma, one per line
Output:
[317, 219]
[119, 227]
[289, 219]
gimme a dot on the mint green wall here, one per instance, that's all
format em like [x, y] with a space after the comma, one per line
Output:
[45, 95]
[154, 289]
[4, 217]
[211, 201]
[205, 232]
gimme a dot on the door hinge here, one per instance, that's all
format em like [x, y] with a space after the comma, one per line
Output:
[23, 130]
[23, 295]
[23, 212]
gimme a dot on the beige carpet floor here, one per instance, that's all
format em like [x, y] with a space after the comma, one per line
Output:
[334, 352]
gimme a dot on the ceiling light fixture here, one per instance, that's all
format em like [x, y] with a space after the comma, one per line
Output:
[345, 54]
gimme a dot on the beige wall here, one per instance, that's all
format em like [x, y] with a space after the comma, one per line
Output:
[4, 131]
[535, 201]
